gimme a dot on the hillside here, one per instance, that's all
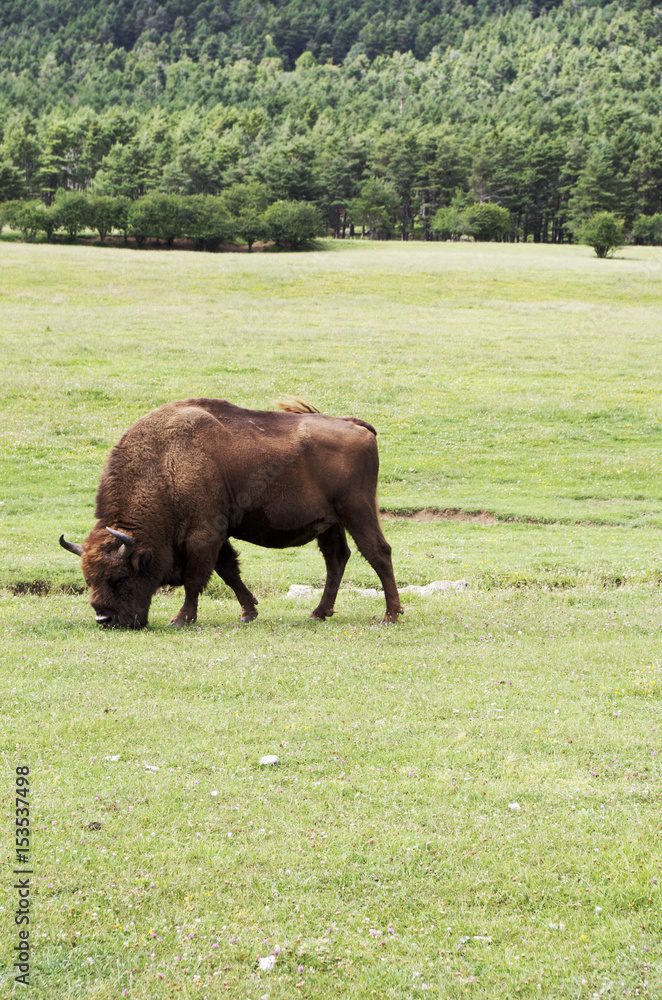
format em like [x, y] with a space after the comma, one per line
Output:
[552, 113]
[329, 29]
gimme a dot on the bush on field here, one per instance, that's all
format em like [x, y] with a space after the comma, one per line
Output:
[647, 230]
[30, 218]
[107, 213]
[156, 216]
[207, 221]
[448, 223]
[603, 231]
[294, 223]
[486, 221]
[246, 204]
[251, 227]
[72, 212]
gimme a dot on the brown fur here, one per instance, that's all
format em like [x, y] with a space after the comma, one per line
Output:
[291, 404]
[190, 475]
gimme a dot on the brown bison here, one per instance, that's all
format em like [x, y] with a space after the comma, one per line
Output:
[190, 475]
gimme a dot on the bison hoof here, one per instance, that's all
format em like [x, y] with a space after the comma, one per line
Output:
[248, 616]
[319, 615]
[181, 622]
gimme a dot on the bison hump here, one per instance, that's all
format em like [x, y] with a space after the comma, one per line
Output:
[291, 404]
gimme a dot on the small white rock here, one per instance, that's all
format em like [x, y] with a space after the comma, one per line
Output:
[299, 590]
[515, 807]
[269, 760]
[151, 767]
[437, 586]
[114, 757]
[266, 964]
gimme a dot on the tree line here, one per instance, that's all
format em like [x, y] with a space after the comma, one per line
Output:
[207, 220]
[552, 115]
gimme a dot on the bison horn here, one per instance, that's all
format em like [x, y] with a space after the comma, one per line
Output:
[129, 543]
[71, 546]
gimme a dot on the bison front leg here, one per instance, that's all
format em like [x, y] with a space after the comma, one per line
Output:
[199, 554]
[188, 612]
[227, 567]
[333, 546]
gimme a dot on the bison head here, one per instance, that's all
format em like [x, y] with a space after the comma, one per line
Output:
[121, 584]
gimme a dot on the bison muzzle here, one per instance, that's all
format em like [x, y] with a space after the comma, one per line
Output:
[192, 474]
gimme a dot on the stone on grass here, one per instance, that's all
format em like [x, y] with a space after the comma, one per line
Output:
[298, 591]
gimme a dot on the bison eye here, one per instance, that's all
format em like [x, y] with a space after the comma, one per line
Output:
[122, 583]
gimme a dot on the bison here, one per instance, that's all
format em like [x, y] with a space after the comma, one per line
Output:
[192, 474]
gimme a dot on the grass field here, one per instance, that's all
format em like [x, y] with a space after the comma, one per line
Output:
[467, 804]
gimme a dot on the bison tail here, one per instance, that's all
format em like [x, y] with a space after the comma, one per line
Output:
[361, 423]
[293, 405]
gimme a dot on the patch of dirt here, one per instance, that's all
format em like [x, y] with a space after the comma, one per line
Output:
[434, 514]
[43, 587]
[40, 587]
[180, 244]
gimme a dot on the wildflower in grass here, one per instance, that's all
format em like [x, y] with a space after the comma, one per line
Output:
[373, 932]
[299, 969]
[266, 964]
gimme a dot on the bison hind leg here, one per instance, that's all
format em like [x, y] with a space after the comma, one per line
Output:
[227, 567]
[333, 546]
[363, 525]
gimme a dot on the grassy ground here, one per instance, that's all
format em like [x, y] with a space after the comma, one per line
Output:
[467, 804]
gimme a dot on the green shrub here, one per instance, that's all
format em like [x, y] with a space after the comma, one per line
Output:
[604, 232]
[207, 220]
[447, 223]
[123, 204]
[30, 218]
[251, 227]
[294, 224]
[486, 221]
[156, 216]
[246, 203]
[106, 213]
[72, 212]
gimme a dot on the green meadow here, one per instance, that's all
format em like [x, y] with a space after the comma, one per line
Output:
[467, 804]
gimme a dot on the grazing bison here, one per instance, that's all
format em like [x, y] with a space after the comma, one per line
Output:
[190, 475]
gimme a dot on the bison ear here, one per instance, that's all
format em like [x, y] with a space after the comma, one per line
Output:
[142, 561]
